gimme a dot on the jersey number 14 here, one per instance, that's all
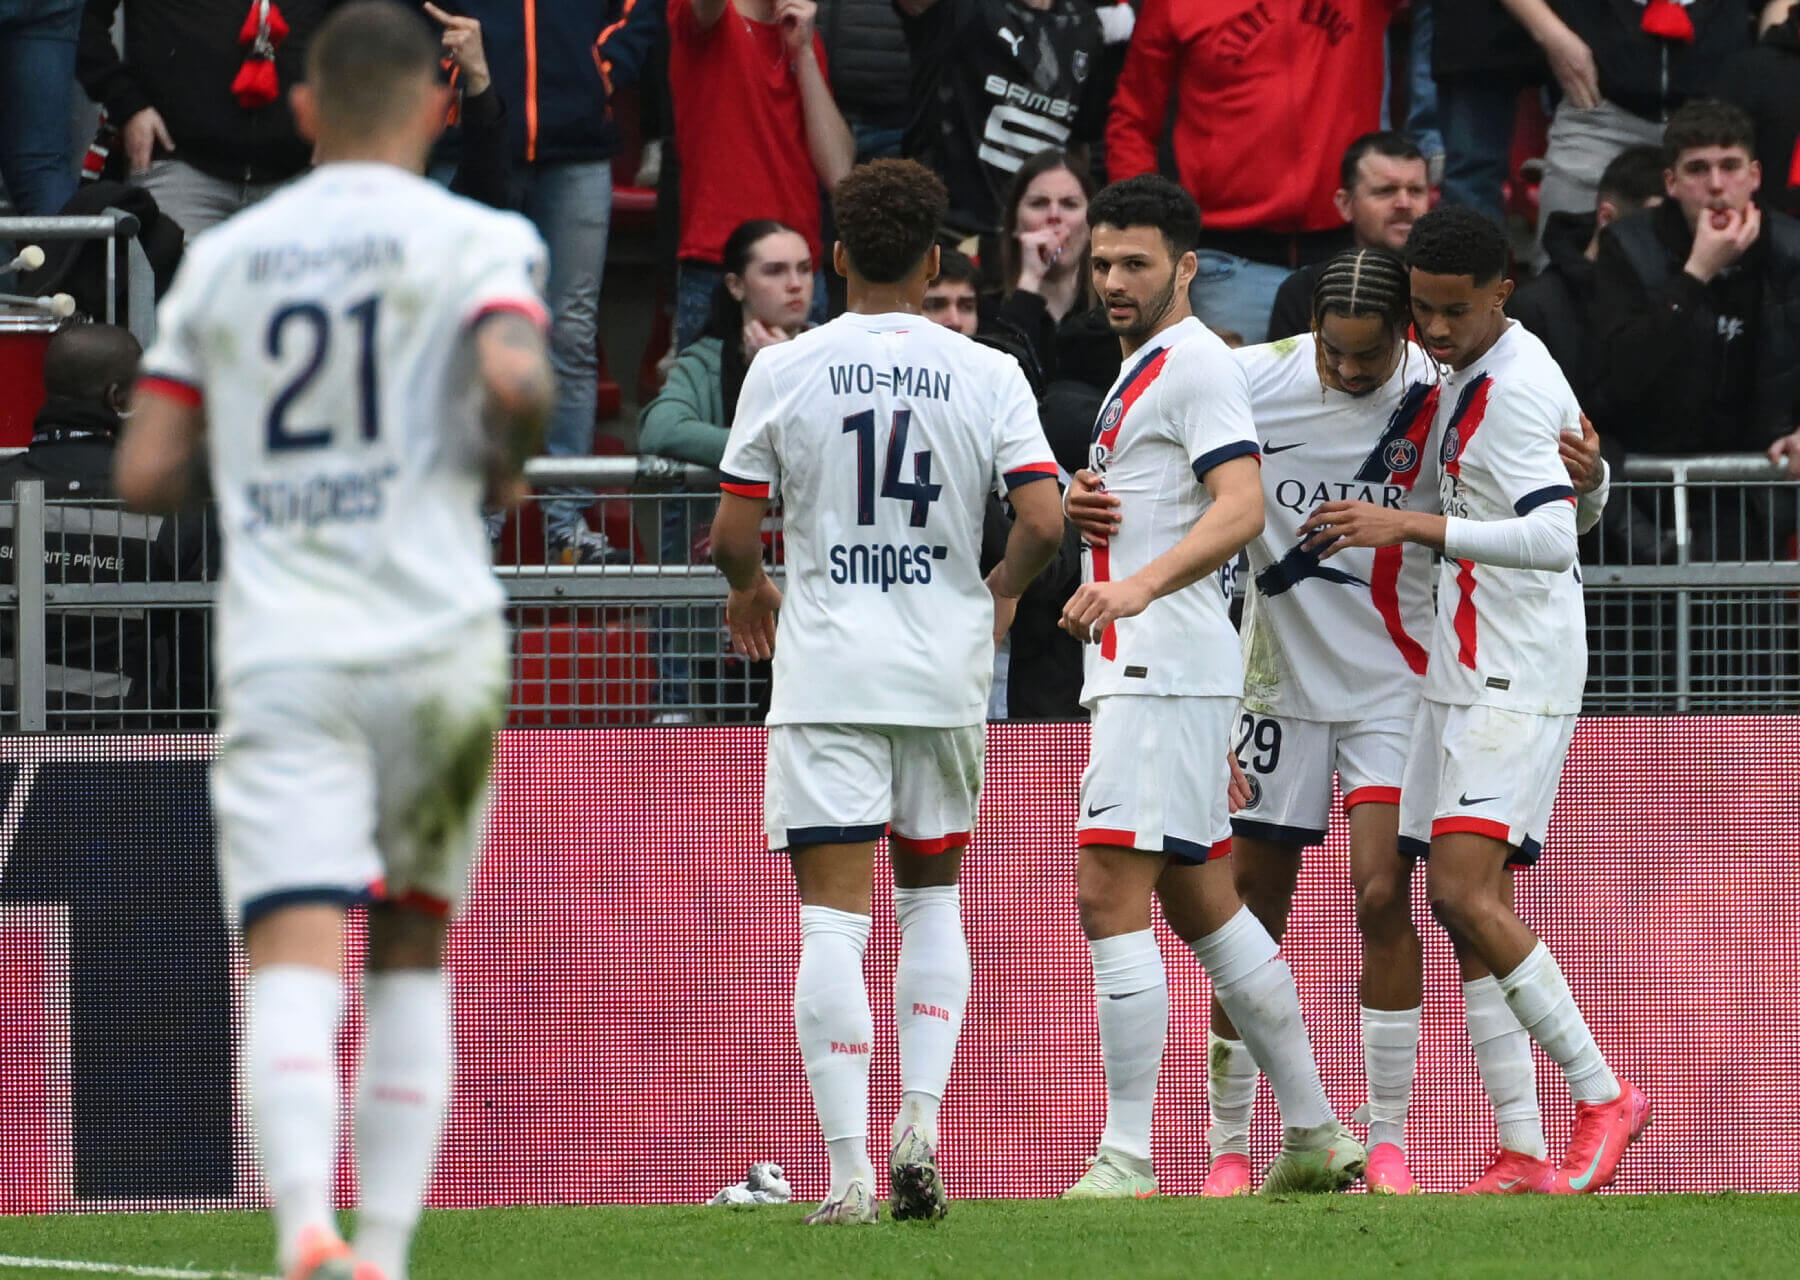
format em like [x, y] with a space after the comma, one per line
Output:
[919, 491]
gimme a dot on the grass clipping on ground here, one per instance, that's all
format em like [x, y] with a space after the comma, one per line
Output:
[1335, 1237]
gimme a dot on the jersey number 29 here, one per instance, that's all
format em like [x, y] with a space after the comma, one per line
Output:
[314, 323]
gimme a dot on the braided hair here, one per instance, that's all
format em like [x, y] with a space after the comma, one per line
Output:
[1362, 282]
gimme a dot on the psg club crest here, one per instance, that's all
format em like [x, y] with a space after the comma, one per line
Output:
[1255, 791]
[1401, 456]
[1452, 445]
[1114, 412]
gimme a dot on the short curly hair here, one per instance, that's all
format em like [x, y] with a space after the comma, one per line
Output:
[1149, 200]
[888, 213]
[1454, 240]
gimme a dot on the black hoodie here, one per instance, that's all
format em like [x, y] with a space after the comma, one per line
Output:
[1557, 304]
[1765, 81]
[1648, 75]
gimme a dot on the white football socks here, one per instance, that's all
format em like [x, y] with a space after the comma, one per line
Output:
[1230, 1094]
[1539, 997]
[1255, 987]
[836, 1029]
[400, 1096]
[1131, 998]
[1503, 1057]
[290, 1059]
[1390, 1040]
[931, 993]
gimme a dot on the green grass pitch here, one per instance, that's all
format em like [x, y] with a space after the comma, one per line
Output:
[1333, 1238]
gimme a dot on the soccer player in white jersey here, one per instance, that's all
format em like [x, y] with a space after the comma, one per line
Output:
[881, 434]
[1176, 445]
[1335, 661]
[1508, 661]
[335, 351]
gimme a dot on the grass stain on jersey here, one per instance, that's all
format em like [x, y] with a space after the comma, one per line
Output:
[1262, 661]
[1286, 346]
[446, 803]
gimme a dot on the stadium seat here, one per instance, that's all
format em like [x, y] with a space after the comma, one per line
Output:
[583, 668]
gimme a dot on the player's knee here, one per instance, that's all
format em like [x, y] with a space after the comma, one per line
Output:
[402, 939]
[1382, 908]
[1104, 914]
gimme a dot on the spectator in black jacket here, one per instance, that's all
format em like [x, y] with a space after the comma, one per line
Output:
[1557, 304]
[1480, 59]
[1697, 304]
[1383, 186]
[1623, 68]
[1765, 81]
[203, 149]
[867, 54]
[107, 669]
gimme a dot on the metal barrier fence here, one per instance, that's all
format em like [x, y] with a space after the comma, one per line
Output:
[1692, 584]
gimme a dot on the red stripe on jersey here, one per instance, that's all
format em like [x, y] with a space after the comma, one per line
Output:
[1109, 639]
[1106, 835]
[745, 490]
[1384, 590]
[1467, 825]
[530, 308]
[1372, 795]
[1418, 432]
[941, 844]
[1465, 613]
[1136, 383]
[182, 393]
[1467, 421]
[1220, 849]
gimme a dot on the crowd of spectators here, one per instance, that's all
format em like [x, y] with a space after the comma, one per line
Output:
[1667, 269]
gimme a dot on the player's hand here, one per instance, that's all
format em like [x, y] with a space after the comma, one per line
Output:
[1581, 457]
[506, 489]
[1237, 791]
[1005, 606]
[462, 45]
[1721, 238]
[143, 134]
[1095, 606]
[796, 19]
[1093, 511]
[750, 614]
[1334, 526]
[1785, 453]
[1039, 251]
[758, 335]
[1572, 62]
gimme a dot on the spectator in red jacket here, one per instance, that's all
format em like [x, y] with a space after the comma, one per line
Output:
[757, 132]
[1270, 94]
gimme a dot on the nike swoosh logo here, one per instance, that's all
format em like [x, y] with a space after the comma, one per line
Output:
[1466, 798]
[1144, 1195]
[1580, 1184]
[1105, 808]
[1507, 1184]
[1280, 448]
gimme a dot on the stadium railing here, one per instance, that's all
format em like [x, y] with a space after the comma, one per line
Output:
[1693, 592]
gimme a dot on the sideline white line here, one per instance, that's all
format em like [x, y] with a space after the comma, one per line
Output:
[122, 1269]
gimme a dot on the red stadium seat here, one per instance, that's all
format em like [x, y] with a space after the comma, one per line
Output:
[582, 668]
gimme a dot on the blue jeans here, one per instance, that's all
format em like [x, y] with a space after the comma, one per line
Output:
[1477, 119]
[694, 286]
[875, 144]
[1235, 293]
[37, 93]
[1422, 91]
[571, 204]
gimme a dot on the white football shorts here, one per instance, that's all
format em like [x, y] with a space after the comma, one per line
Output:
[356, 784]
[846, 783]
[1289, 764]
[1156, 778]
[1485, 770]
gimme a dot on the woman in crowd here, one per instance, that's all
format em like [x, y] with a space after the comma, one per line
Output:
[763, 299]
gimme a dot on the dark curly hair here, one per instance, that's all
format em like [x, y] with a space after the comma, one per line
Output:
[1149, 200]
[888, 213]
[1454, 240]
[1707, 122]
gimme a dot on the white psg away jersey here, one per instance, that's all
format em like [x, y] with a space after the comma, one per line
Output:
[1514, 638]
[326, 333]
[1347, 638]
[1179, 408]
[882, 437]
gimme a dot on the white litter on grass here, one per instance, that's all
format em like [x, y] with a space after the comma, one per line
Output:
[122, 1269]
[764, 1184]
